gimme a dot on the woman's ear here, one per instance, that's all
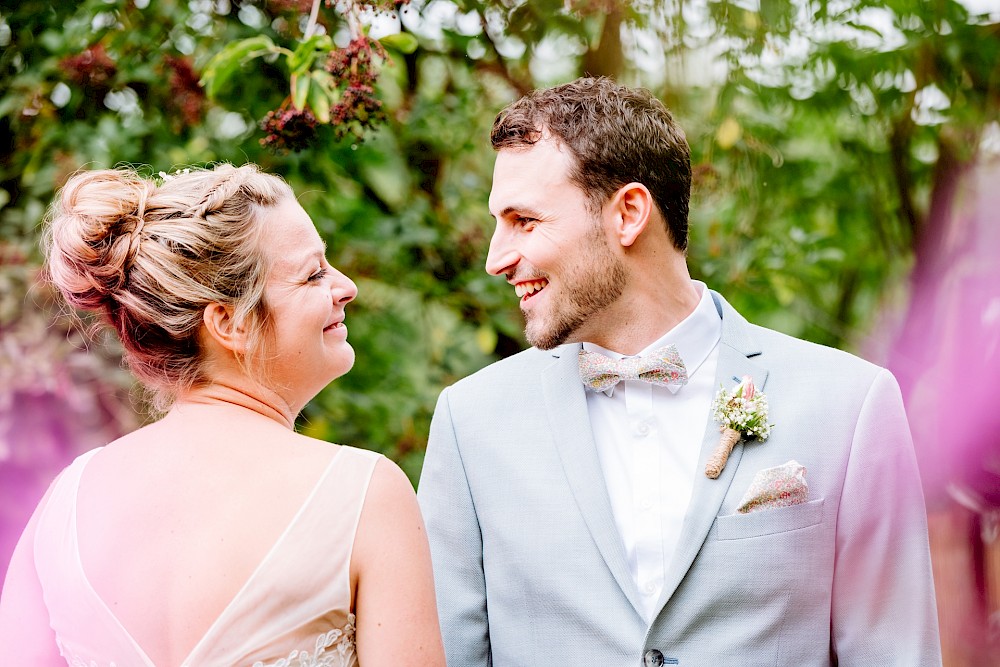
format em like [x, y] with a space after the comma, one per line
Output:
[632, 207]
[222, 328]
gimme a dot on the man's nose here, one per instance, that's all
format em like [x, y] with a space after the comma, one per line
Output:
[503, 255]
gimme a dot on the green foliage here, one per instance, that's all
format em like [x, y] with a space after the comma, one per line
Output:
[815, 149]
[826, 135]
[232, 57]
[403, 42]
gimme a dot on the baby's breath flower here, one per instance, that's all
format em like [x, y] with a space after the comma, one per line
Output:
[743, 409]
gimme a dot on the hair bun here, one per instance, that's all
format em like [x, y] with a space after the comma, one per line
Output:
[92, 234]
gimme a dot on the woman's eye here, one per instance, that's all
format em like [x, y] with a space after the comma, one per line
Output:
[319, 275]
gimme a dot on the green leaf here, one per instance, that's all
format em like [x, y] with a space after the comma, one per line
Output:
[305, 54]
[319, 100]
[225, 63]
[300, 92]
[403, 42]
[325, 80]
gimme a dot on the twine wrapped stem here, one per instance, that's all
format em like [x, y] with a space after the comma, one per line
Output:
[722, 451]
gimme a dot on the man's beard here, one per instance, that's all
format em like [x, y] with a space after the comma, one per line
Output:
[594, 282]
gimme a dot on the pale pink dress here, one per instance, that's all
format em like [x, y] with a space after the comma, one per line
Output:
[294, 611]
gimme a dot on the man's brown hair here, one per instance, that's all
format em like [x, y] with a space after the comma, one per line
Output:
[617, 135]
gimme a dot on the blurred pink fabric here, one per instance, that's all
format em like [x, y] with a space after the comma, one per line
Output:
[947, 353]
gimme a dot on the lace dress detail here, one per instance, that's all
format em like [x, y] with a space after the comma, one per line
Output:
[333, 649]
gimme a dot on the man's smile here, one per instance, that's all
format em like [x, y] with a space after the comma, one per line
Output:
[528, 288]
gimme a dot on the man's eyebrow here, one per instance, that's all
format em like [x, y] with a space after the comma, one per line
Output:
[519, 208]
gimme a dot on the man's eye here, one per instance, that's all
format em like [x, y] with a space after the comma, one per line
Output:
[526, 221]
[319, 275]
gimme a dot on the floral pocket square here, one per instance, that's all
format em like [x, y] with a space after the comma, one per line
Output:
[780, 486]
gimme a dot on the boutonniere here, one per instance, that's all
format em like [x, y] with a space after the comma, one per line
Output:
[742, 415]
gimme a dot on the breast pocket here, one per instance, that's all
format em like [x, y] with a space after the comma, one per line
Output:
[769, 522]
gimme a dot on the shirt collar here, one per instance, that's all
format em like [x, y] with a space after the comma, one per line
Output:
[694, 337]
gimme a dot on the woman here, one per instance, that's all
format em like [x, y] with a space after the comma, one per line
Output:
[216, 535]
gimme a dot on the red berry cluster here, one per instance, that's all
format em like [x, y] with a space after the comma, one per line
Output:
[92, 70]
[355, 62]
[186, 94]
[358, 109]
[354, 69]
[377, 5]
[288, 129]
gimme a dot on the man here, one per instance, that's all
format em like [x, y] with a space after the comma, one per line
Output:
[573, 522]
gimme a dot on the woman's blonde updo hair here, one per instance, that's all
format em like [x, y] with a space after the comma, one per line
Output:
[149, 258]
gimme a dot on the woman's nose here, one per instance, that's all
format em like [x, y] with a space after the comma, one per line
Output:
[344, 289]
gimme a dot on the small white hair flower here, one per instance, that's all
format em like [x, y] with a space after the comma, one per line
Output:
[164, 176]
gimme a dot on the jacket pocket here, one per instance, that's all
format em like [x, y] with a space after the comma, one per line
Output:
[770, 521]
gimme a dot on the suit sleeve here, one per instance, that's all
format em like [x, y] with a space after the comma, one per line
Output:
[883, 607]
[456, 544]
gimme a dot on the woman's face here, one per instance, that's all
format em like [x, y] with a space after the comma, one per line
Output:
[306, 297]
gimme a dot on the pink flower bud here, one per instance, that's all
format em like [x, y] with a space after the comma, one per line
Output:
[748, 388]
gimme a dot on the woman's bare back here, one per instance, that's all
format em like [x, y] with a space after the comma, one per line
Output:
[174, 518]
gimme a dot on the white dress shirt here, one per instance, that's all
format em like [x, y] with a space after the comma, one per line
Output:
[648, 441]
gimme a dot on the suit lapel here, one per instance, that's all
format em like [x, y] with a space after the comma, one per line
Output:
[566, 405]
[737, 348]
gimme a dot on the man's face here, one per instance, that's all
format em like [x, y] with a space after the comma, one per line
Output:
[552, 248]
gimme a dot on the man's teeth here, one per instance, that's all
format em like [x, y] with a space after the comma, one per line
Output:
[521, 289]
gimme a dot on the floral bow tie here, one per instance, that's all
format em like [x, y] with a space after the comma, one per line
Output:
[662, 367]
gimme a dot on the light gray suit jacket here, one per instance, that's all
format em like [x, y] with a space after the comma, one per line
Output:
[530, 568]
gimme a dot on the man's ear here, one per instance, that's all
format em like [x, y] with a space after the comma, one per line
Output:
[220, 325]
[632, 208]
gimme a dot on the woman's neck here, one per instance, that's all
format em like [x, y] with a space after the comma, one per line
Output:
[224, 395]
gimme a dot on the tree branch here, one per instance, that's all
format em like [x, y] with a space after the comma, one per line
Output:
[607, 58]
[313, 18]
[899, 150]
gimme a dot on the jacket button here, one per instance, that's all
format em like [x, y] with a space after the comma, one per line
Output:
[653, 658]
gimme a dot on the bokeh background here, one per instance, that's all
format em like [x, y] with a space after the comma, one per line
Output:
[846, 162]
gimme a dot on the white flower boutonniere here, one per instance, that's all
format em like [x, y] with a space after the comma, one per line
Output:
[742, 415]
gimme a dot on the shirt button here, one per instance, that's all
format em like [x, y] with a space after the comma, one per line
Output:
[646, 503]
[642, 429]
[650, 588]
